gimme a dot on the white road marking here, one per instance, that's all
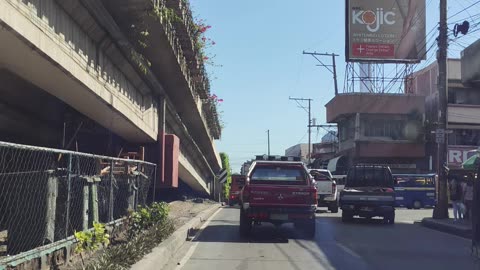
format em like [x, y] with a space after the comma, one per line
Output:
[192, 248]
[349, 251]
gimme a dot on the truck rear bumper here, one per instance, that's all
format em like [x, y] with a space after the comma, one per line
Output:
[281, 214]
[326, 197]
[368, 210]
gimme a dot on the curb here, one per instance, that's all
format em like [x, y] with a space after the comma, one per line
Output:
[160, 255]
[465, 233]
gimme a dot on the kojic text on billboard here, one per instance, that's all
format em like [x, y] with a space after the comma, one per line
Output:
[385, 30]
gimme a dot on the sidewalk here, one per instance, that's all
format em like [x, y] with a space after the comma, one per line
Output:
[461, 228]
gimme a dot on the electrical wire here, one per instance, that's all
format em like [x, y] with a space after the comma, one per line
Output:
[303, 137]
[476, 3]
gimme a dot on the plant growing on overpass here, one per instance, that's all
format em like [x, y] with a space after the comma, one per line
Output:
[226, 165]
[202, 42]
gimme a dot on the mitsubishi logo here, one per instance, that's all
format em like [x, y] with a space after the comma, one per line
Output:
[280, 196]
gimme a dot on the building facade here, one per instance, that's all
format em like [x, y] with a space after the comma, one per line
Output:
[298, 150]
[463, 111]
[325, 150]
[378, 129]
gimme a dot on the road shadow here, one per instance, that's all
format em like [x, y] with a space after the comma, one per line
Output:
[321, 211]
[372, 244]
[264, 233]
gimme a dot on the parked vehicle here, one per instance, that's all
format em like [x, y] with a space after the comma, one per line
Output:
[326, 189]
[278, 190]
[369, 192]
[415, 190]
[238, 181]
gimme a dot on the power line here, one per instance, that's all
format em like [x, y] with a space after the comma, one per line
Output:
[309, 100]
[303, 137]
[466, 10]
[472, 18]
[476, 3]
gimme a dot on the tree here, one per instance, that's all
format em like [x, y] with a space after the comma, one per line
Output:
[226, 166]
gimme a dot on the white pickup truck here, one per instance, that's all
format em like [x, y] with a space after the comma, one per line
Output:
[326, 189]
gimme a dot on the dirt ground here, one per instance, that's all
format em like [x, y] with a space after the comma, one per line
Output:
[3, 243]
[180, 212]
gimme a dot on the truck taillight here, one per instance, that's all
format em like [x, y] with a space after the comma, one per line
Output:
[334, 187]
[389, 190]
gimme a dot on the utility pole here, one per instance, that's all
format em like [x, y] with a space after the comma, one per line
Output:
[268, 140]
[309, 111]
[309, 130]
[332, 68]
[441, 209]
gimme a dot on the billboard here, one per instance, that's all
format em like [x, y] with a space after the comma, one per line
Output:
[385, 31]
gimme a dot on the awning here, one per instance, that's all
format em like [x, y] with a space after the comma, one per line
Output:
[332, 164]
[471, 163]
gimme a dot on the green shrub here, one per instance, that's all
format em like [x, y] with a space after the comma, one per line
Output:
[147, 216]
[92, 239]
[125, 255]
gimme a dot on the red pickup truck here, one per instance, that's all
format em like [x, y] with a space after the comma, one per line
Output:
[278, 190]
[238, 181]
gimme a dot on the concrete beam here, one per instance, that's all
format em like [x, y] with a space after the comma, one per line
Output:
[57, 63]
[190, 176]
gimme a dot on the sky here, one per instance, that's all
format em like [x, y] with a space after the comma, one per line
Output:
[258, 65]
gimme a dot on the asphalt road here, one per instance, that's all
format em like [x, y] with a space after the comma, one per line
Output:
[360, 245]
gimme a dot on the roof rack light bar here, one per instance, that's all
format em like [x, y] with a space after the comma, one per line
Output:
[277, 158]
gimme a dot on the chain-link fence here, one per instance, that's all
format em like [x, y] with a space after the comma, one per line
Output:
[48, 194]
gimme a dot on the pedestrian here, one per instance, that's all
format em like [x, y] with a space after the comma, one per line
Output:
[468, 198]
[455, 189]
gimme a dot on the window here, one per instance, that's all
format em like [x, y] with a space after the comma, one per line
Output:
[369, 177]
[414, 181]
[278, 174]
[464, 96]
[384, 128]
[464, 137]
[346, 130]
[340, 180]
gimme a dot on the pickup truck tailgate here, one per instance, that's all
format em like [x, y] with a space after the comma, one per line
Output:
[324, 187]
[368, 195]
[272, 195]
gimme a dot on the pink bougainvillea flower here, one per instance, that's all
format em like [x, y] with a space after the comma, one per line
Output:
[205, 58]
[220, 100]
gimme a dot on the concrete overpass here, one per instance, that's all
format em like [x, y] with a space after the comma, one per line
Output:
[81, 55]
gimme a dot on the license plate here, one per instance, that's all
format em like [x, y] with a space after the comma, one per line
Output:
[366, 209]
[278, 216]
